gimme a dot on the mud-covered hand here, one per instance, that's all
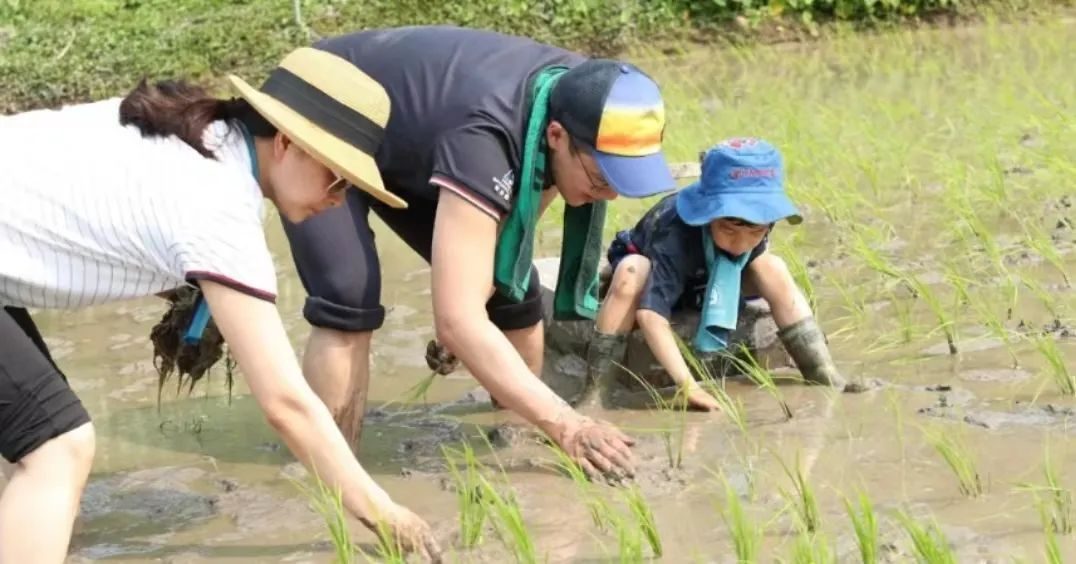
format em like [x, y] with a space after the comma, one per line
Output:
[440, 359]
[402, 528]
[600, 448]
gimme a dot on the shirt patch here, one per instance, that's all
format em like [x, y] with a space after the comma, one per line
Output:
[503, 185]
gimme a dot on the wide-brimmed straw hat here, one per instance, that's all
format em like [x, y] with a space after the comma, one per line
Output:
[332, 110]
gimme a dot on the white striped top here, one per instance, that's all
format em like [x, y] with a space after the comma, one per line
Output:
[91, 212]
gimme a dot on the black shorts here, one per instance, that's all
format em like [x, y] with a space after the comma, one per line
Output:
[36, 404]
[338, 264]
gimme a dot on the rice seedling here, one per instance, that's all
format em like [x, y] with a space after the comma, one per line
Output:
[733, 409]
[1057, 368]
[1052, 498]
[903, 309]
[596, 506]
[1041, 243]
[416, 392]
[952, 449]
[329, 504]
[1046, 298]
[644, 519]
[801, 498]
[505, 514]
[997, 328]
[469, 493]
[812, 549]
[629, 540]
[1052, 550]
[746, 534]
[749, 366]
[945, 320]
[672, 436]
[865, 526]
[928, 541]
[507, 519]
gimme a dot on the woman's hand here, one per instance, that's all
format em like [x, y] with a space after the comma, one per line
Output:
[402, 528]
[256, 338]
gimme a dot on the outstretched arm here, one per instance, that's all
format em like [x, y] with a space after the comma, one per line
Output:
[464, 241]
[256, 338]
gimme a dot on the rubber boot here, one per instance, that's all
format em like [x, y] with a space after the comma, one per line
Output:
[604, 353]
[806, 344]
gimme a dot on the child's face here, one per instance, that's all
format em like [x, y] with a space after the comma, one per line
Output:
[735, 236]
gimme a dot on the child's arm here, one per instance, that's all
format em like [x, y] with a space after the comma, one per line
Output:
[668, 273]
[662, 342]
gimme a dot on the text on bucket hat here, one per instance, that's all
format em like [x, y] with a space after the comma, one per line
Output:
[617, 110]
[741, 178]
[332, 110]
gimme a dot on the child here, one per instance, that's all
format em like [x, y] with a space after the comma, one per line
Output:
[690, 251]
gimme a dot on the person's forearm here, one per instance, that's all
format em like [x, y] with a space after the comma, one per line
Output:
[257, 340]
[662, 342]
[496, 364]
[308, 430]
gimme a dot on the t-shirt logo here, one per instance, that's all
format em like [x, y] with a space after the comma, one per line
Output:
[503, 185]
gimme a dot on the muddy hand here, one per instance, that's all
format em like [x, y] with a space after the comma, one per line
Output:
[404, 529]
[440, 359]
[600, 448]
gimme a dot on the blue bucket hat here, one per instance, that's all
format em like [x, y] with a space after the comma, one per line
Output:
[741, 178]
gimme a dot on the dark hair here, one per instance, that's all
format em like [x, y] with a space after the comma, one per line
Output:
[172, 107]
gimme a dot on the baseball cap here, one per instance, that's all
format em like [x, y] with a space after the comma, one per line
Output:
[617, 111]
[741, 178]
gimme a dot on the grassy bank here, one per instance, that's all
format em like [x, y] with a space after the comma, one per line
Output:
[55, 51]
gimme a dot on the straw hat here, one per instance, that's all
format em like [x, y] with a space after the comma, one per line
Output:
[331, 109]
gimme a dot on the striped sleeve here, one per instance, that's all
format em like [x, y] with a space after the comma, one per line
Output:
[227, 246]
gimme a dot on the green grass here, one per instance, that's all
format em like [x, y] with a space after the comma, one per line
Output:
[76, 49]
[954, 451]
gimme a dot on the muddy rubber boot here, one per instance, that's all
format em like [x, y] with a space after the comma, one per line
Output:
[604, 352]
[806, 344]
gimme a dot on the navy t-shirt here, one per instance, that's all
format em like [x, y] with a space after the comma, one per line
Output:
[458, 107]
[678, 274]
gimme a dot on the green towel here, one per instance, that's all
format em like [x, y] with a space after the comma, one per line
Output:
[576, 295]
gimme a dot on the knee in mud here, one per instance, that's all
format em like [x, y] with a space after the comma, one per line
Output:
[630, 277]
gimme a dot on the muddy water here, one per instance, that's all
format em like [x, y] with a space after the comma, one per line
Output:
[204, 479]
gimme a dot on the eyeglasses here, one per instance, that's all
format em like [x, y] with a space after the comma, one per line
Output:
[338, 185]
[598, 187]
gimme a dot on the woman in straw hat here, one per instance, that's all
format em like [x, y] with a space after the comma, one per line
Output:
[161, 190]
